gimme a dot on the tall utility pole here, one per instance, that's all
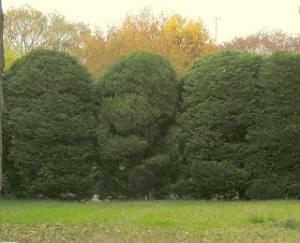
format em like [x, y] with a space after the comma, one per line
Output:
[1, 92]
[217, 19]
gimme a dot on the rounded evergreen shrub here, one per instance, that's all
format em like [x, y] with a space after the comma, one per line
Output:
[50, 124]
[139, 95]
[220, 94]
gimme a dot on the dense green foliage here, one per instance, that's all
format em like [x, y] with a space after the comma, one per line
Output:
[275, 140]
[219, 97]
[49, 125]
[229, 128]
[138, 97]
[211, 179]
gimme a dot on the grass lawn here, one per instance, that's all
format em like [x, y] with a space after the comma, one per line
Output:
[150, 221]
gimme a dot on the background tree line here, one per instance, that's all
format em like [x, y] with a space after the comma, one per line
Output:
[176, 38]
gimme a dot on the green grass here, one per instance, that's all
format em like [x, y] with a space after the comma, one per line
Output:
[150, 221]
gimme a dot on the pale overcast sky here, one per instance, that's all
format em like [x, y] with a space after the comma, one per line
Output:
[237, 17]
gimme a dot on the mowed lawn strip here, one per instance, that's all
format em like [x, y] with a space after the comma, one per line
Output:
[142, 220]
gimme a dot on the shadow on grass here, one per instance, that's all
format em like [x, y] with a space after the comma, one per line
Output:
[256, 219]
[288, 223]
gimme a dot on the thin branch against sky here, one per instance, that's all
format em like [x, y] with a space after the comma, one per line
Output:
[238, 17]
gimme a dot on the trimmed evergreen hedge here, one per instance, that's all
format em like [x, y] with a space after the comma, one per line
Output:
[139, 96]
[49, 125]
[230, 127]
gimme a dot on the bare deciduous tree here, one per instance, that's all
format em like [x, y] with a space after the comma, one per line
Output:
[265, 42]
[26, 28]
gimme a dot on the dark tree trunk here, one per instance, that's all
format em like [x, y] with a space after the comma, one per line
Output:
[1, 94]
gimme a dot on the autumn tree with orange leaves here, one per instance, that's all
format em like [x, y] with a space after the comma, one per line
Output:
[176, 38]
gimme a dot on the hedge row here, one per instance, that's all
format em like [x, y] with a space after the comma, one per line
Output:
[230, 127]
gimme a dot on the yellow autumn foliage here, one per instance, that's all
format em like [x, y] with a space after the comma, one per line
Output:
[176, 38]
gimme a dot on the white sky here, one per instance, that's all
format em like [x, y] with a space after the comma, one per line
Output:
[237, 17]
